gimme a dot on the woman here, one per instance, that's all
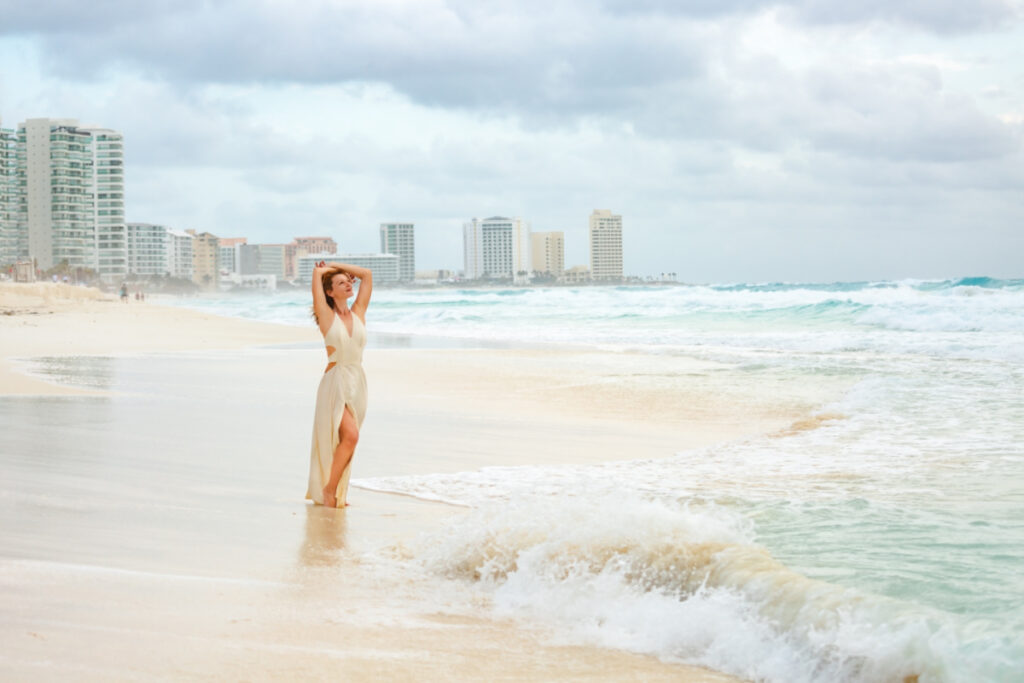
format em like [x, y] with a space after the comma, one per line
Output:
[341, 398]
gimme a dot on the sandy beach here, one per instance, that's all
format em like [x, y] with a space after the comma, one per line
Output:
[156, 458]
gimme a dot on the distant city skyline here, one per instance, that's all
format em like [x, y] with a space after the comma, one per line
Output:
[744, 141]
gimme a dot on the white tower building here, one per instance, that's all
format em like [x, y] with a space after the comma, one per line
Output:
[605, 245]
[180, 254]
[148, 249]
[496, 247]
[108, 193]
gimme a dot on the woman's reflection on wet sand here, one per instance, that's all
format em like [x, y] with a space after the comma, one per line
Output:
[326, 531]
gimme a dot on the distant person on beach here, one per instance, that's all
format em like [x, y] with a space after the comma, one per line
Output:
[124, 292]
[341, 396]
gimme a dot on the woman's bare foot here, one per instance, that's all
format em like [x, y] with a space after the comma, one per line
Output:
[329, 500]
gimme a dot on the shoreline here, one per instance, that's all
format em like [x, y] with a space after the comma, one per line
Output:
[432, 411]
[44, 319]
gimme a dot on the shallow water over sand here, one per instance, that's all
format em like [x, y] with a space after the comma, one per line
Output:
[158, 530]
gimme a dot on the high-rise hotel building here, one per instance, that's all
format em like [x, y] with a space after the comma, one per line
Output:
[496, 247]
[205, 259]
[180, 254]
[68, 197]
[108, 194]
[548, 253]
[605, 245]
[55, 160]
[148, 249]
[398, 239]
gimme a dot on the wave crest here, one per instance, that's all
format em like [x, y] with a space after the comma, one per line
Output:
[684, 584]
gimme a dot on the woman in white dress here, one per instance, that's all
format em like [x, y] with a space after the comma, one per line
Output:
[341, 397]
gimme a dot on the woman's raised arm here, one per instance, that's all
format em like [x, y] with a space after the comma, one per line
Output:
[321, 309]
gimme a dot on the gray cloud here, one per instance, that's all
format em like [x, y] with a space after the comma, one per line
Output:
[560, 55]
[447, 56]
[97, 16]
[942, 17]
[896, 112]
[701, 142]
[939, 16]
[648, 65]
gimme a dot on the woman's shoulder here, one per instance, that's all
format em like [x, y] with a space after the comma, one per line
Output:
[327, 323]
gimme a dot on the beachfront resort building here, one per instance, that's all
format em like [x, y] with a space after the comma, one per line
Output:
[314, 245]
[605, 246]
[179, 254]
[229, 254]
[430, 277]
[68, 196]
[548, 253]
[205, 271]
[108, 203]
[147, 246]
[496, 247]
[398, 239]
[55, 166]
[10, 197]
[385, 267]
[265, 259]
[576, 275]
[271, 259]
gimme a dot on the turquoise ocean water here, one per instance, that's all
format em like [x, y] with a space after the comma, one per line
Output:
[888, 542]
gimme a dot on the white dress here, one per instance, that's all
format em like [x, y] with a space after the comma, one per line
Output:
[343, 384]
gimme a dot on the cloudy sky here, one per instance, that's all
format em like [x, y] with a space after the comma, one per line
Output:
[741, 140]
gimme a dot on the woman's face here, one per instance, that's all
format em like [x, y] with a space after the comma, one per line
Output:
[341, 286]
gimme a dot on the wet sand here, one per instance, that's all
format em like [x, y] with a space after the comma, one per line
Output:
[46, 319]
[153, 468]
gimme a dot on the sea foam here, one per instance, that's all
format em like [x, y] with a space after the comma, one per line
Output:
[685, 583]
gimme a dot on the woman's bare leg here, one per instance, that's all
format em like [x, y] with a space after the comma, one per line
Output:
[348, 434]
